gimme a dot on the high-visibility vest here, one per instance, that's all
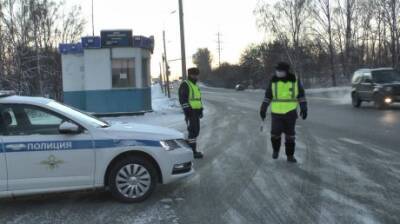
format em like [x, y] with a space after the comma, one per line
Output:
[284, 97]
[194, 95]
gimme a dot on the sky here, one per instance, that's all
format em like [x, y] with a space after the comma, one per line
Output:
[234, 19]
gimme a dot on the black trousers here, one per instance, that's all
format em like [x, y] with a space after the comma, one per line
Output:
[193, 127]
[284, 124]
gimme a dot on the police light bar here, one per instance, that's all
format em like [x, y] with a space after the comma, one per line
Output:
[4, 93]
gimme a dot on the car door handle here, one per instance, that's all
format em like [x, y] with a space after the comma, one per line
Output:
[16, 147]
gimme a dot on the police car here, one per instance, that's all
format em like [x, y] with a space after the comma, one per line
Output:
[46, 146]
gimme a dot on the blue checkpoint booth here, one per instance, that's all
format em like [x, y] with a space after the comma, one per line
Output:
[108, 74]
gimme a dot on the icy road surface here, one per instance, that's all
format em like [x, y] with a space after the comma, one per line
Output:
[348, 172]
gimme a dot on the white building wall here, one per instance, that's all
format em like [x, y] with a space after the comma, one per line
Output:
[97, 69]
[92, 70]
[147, 54]
[73, 72]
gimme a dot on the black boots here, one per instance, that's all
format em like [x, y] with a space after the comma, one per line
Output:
[290, 147]
[275, 154]
[198, 155]
[276, 145]
[290, 152]
[291, 159]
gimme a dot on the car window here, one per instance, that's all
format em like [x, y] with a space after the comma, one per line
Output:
[29, 120]
[38, 117]
[386, 76]
[366, 76]
[74, 113]
[356, 78]
[12, 116]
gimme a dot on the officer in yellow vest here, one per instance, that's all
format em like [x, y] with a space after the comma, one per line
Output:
[190, 100]
[284, 93]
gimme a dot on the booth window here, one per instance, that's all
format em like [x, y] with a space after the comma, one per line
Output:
[145, 72]
[123, 73]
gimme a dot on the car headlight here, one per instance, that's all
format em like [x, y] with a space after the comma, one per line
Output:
[183, 143]
[388, 89]
[169, 145]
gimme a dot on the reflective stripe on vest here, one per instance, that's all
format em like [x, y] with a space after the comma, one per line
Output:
[284, 97]
[194, 95]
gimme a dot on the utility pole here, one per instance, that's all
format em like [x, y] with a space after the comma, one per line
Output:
[219, 48]
[165, 59]
[92, 19]
[162, 67]
[183, 50]
[161, 79]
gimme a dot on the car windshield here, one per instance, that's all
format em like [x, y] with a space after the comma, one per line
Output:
[86, 117]
[386, 76]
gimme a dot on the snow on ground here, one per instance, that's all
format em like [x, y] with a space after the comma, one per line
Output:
[166, 112]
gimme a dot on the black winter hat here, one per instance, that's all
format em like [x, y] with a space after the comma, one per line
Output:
[283, 66]
[193, 71]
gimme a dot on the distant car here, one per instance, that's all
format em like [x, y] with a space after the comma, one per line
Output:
[381, 86]
[240, 87]
[46, 146]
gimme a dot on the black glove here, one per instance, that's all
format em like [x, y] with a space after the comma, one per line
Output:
[263, 111]
[303, 114]
[303, 111]
[201, 115]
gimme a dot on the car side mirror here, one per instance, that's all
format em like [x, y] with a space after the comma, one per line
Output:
[68, 127]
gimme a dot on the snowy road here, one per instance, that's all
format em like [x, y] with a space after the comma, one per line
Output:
[348, 172]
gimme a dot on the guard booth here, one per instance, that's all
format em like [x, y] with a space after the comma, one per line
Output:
[108, 74]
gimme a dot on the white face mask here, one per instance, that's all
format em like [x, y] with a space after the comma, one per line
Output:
[280, 74]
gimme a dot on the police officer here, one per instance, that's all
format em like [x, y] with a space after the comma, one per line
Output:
[284, 93]
[190, 100]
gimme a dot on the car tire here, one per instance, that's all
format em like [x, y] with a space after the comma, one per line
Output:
[355, 100]
[132, 179]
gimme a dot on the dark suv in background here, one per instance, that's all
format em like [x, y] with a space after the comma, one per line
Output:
[381, 86]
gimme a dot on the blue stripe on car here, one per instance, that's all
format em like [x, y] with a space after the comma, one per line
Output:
[74, 145]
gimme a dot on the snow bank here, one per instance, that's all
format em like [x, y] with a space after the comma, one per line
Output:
[329, 89]
[341, 95]
[314, 90]
[160, 102]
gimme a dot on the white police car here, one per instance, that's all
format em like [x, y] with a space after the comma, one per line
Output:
[46, 147]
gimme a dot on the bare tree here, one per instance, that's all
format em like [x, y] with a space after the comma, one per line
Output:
[286, 19]
[203, 60]
[31, 63]
[344, 21]
[322, 12]
[391, 10]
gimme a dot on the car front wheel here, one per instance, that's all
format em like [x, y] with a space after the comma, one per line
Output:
[356, 102]
[132, 179]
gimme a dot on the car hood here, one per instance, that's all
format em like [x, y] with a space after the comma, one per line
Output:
[142, 131]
